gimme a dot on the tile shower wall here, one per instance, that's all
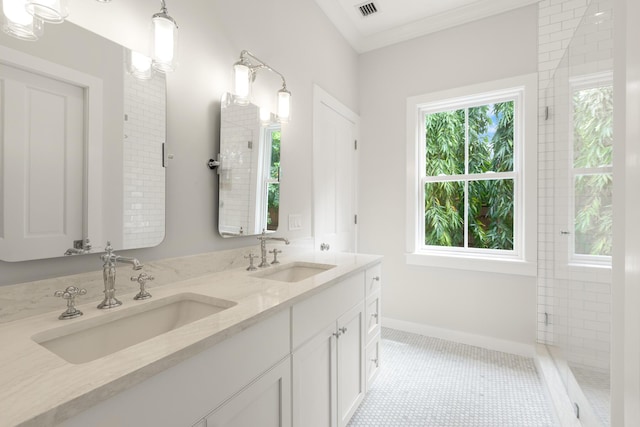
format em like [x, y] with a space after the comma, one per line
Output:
[144, 174]
[238, 171]
[574, 303]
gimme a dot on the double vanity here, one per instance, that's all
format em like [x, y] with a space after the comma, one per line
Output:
[290, 345]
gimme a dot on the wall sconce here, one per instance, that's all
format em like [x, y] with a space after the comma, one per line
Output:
[164, 40]
[244, 75]
[19, 23]
[52, 11]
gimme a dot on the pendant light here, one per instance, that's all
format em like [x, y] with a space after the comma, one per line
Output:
[19, 23]
[164, 40]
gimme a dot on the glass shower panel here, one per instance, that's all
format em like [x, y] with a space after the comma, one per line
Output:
[575, 279]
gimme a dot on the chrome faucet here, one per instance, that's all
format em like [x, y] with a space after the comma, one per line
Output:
[109, 275]
[263, 246]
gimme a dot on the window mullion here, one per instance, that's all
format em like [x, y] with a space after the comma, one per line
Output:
[466, 179]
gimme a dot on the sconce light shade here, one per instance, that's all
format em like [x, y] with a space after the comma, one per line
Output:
[244, 74]
[139, 65]
[284, 105]
[265, 115]
[19, 23]
[164, 41]
[52, 11]
[242, 79]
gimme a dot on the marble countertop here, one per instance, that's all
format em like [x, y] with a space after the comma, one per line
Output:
[40, 388]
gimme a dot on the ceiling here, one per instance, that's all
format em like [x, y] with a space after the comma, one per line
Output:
[399, 20]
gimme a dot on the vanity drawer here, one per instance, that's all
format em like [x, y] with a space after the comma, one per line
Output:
[372, 361]
[372, 316]
[313, 314]
[373, 279]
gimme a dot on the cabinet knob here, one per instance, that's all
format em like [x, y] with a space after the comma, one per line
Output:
[376, 361]
[342, 330]
[374, 315]
[376, 278]
[337, 334]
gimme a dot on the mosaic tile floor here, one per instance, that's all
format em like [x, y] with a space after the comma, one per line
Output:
[428, 382]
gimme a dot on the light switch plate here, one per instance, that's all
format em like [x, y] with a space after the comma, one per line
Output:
[295, 222]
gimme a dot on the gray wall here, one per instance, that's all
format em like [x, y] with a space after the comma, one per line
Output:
[484, 304]
[293, 36]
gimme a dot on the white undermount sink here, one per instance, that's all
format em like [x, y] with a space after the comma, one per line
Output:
[100, 336]
[294, 272]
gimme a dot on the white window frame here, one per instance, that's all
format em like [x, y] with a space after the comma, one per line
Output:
[264, 175]
[522, 259]
[589, 81]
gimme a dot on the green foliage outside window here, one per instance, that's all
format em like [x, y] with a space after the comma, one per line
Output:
[273, 188]
[593, 151]
[487, 131]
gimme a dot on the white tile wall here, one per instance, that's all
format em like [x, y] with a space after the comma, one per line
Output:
[575, 38]
[144, 175]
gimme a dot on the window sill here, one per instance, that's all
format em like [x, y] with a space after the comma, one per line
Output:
[473, 263]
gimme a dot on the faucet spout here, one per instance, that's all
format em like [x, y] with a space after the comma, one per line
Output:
[263, 246]
[136, 265]
[109, 275]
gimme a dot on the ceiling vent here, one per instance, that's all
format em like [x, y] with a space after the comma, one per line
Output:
[367, 9]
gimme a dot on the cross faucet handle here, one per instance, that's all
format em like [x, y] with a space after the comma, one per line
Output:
[142, 279]
[275, 253]
[70, 294]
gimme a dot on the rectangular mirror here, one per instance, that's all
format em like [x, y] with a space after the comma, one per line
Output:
[81, 142]
[249, 171]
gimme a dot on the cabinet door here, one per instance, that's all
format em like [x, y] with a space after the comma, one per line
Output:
[314, 381]
[350, 363]
[266, 402]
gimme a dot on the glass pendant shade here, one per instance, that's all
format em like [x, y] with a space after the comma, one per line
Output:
[265, 115]
[242, 81]
[164, 42]
[139, 65]
[52, 11]
[284, 105]
[19, 23]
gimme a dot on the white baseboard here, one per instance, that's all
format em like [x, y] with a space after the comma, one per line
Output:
[482, 341]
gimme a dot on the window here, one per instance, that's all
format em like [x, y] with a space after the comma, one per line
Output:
[469, 179]
[591, 167]
[471, 186]
[270, 200]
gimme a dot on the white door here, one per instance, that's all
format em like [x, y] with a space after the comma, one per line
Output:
[41, 135]
[335, 132]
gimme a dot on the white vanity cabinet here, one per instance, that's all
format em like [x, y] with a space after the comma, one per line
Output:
[306, 366]
[373, 316]
[246, 375]
[329, 334]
